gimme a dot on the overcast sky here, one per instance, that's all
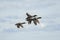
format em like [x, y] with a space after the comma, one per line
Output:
[14, 11]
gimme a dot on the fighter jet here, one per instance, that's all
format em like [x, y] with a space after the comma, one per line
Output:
[19, 25]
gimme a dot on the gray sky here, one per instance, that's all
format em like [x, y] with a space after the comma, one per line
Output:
[13, 11]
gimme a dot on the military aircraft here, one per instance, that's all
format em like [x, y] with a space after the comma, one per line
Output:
[19, 25]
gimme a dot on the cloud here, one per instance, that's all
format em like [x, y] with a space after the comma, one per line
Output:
[14, 11]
